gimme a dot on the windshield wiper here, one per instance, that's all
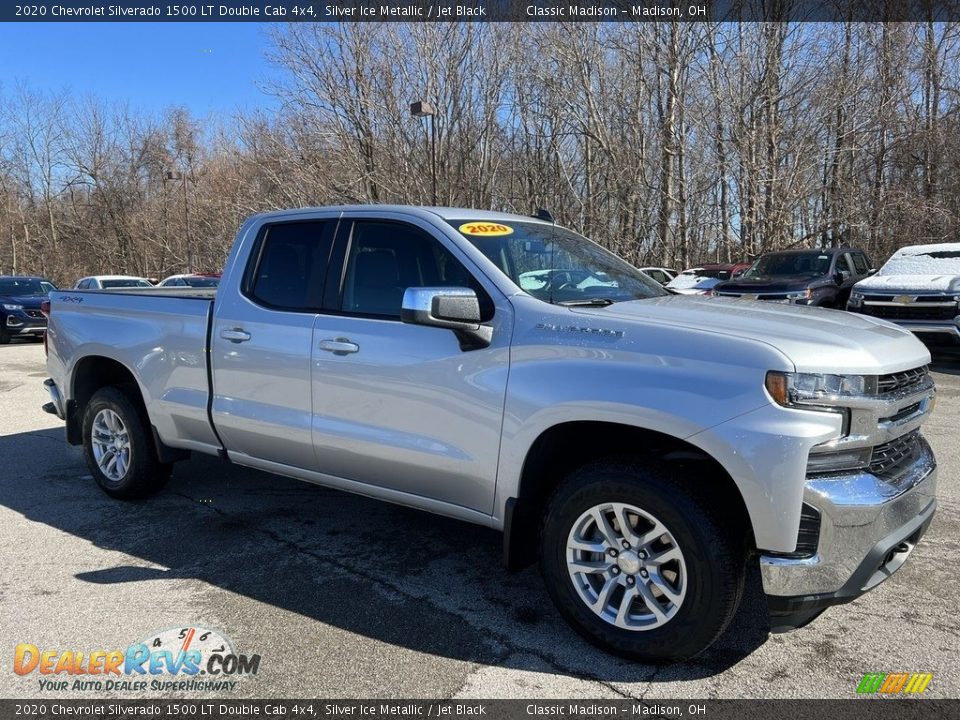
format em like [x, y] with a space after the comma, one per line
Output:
[592, 302]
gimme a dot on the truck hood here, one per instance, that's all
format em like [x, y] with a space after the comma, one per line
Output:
[29, 302]
[910, 283]
[813, 339]
[792, 283]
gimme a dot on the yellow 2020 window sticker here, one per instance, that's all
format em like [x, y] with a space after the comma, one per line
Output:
[487, 229]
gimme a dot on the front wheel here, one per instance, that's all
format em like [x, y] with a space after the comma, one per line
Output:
[117, 447]
[639, 565]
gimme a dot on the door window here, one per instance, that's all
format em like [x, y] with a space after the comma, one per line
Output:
[843, 264]
[860, 263]
[291, 264]
[386, 258]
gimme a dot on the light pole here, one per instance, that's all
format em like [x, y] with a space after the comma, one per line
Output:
[177, 175]
[421, 109]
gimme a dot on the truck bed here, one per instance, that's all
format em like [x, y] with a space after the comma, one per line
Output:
[160, 333]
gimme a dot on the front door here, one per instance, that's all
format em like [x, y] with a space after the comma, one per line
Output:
[401, 406]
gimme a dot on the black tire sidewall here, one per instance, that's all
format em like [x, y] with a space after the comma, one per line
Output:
[714, 568]
[144, 475]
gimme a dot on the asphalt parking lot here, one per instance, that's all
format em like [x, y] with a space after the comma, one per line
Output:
[347, 597]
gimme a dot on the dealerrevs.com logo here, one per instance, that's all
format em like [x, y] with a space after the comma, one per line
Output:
[176, 659]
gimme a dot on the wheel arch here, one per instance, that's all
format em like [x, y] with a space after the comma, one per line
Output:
[564, 447]
[93, 372]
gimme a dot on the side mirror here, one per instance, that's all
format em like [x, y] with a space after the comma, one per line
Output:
[842, 276]
[871, 271]
[452, 308]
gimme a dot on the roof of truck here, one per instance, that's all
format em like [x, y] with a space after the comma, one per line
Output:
[445, 213]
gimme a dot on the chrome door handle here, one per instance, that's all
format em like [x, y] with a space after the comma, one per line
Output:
[340, 346]
[236, 335]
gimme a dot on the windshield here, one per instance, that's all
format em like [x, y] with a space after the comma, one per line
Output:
[556, 265]
[24, 286]
[124, 283]
[811, 264]
[937, 260]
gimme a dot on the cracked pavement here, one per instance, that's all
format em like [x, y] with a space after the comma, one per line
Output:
[343, 596]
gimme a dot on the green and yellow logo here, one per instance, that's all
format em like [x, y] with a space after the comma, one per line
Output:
[894, 683]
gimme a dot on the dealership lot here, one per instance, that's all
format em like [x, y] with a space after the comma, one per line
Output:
[347, 597]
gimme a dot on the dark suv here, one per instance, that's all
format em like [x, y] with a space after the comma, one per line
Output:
[20, 298]
[822, 278]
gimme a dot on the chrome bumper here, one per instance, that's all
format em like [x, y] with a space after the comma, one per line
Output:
[868, 528]
[35, 330]
[938, 328]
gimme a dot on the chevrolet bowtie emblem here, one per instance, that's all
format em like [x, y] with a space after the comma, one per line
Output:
[903, 299]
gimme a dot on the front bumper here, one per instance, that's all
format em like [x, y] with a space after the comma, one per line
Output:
[20, 324]
[947, 330]
[869, 526]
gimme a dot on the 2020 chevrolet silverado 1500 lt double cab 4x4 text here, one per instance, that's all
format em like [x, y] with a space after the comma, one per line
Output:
[647, 447]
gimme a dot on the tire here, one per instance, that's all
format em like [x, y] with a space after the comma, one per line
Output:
[4, 338]
[113, 416]
[697, 591]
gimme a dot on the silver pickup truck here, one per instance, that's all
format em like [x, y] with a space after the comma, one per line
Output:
[646, 447]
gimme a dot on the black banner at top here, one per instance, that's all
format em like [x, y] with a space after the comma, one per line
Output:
[482, 11]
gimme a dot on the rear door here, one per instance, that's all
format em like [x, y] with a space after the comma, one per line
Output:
[401, 407]
[262, 343]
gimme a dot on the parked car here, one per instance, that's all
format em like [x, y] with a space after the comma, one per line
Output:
[649, 448]
[919, 289]
[557, 279]
[700, 280]
[20, 298]
[107, 282]
[195, 280]
[661, 274]
[822, 278]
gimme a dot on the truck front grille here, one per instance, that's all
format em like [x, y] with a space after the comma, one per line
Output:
[900, 380]
[888, 458]
[906, 312]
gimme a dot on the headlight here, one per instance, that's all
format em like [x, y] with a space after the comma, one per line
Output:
[856, 299]
[803, 295]
[12, 307]
[817, 389]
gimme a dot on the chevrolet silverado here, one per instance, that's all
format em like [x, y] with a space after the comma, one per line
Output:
[647, 448]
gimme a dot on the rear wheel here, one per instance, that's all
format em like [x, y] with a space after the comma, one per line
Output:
[638, 564]
[118, 448]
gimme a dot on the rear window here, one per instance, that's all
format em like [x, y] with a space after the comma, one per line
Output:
[124, 283]
[291, 265]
